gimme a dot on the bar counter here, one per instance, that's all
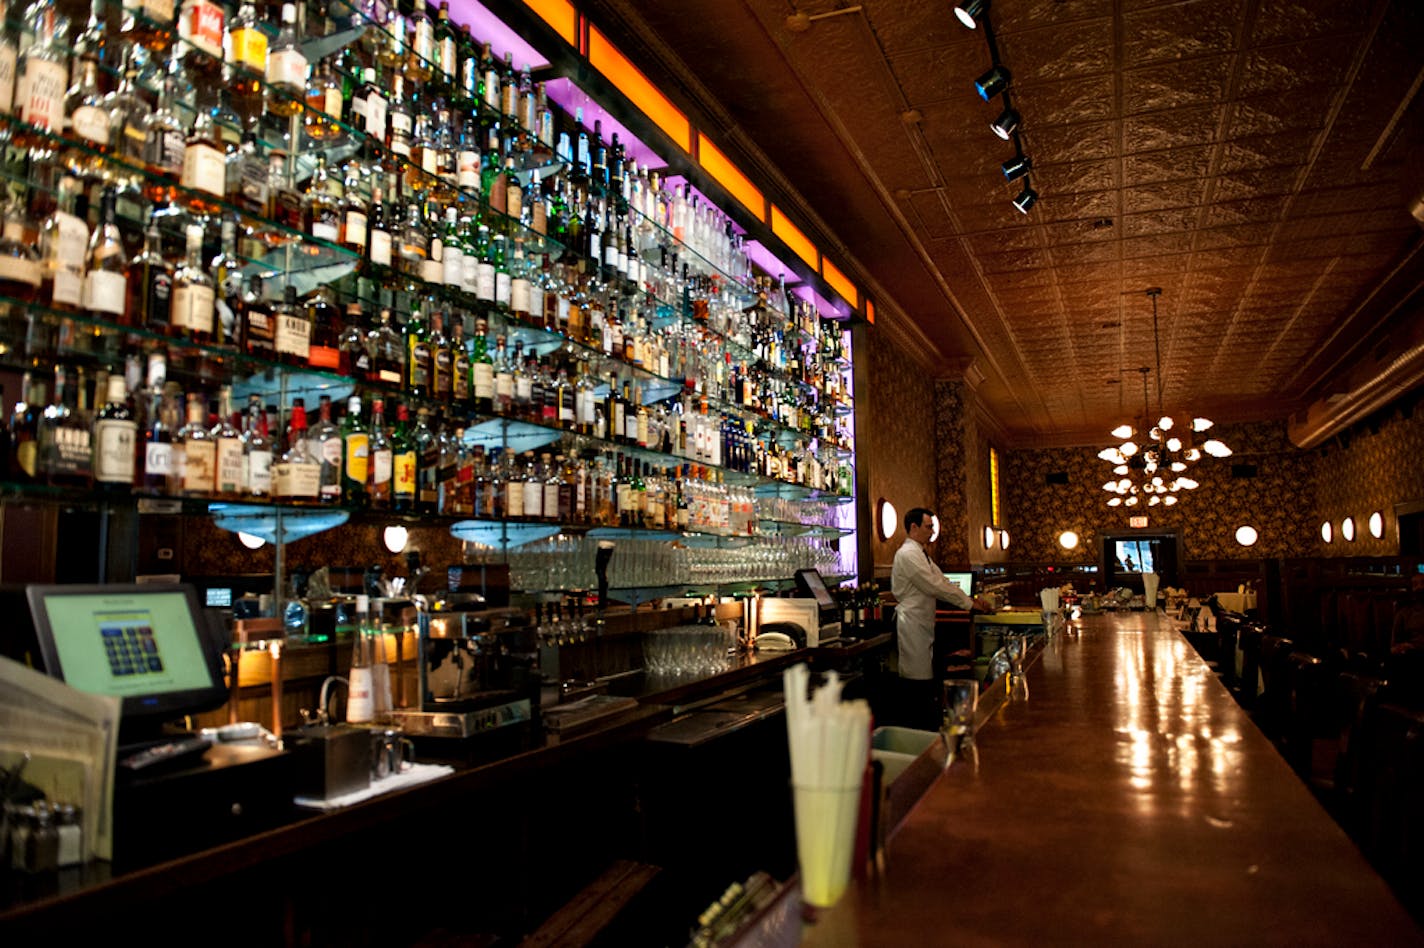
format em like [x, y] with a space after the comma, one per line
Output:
[1124, 798]
[82, 897]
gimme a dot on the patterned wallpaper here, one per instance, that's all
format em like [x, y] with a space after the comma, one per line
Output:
[897, 451]
[1374, 468]
[954, 429]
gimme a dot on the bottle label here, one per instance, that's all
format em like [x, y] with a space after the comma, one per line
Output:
[41, 93]
[332, 102]
[324, 357]
[424, 46]
[467, 169]
[114, 450]
[259, 472]
[159, 11]
[375, 115]
[293, 335]
[514, 201]
[484, 380]
[230, 478]
[551, 500]
[158, 459]
[193, 308]
[287, 67]
[461, 386]
[430, 160]
[202, 25]
[68, 252]
[358, 456]
[381, 248]
[419, 364]
[199, 463]
[452, 264]
[356, 228]
[325, 227]
[104, 292]
[401, 124]
[519, 295]
[381, 468]
[249, 48]
[484, 281]
[204, 169]
[299, 481]
[8, 57]
[533, 499]
[403, 476]
[91, 124]
[431, 270]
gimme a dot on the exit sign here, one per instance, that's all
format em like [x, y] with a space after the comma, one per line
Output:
[1137, 522]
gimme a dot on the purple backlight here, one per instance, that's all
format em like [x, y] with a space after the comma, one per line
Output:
[488, 28]
[571, 98]
[771, 264]
[768, 261]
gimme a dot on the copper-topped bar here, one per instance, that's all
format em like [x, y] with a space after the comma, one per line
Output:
[1125, 800]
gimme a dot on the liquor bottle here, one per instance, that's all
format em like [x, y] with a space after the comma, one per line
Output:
[249, 180]
[20, 267]
[286, 68]
[202, 24]
[297, 476]
[420, 59]
[88, 119]
[533, 487]
[43, 78]
[387, 352]
[371, 106]
[442, 362]
[293, 330]
[356, 456]
[403, 464]
[427, 464]
[446, 50]
[115, 438]
[257, 450]
[322, 204]
[417, 353]
[324, 351]
[354, 357]
[259, 326]
[511, 479]
[447, 476]
[325, 103]
[482, 374]
[355, 218]
[194, 296]
[229, 479]
[379, 250]
[503, 379]
[23, 460]
[204, 163]
[63, 237]
[324, 443]
[247, 55]
[226, 269]
[105, 282]
[461, 369]
[381, 450]
[157, 447]
[195, 451]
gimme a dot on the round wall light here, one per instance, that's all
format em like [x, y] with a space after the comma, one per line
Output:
[1003, 539]
[395, 538]
[1377, 525]
[250, 541]
[1327, 532]
[887, 519]
[1347, 529]
[989, 535]
[1068, 540]
[1246, 535]
[934, 530]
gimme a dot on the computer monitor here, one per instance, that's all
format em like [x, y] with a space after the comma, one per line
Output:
[964, 580]
[811, 585]
[144, 644]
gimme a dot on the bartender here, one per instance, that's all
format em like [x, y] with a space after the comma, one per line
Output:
[917, 583]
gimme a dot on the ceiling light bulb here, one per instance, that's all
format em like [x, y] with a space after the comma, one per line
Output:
[1192, 454]
[1186, 483]
[1201, 424]
[1174, 444]
[1165, 422]
[1128, 449]
[1216, 449]
[1153, 501]
[993, 82]
[1016, 167]
[1130, 502]
[1006, 124]
[1111, 454]
[1121, 469]
[1169, 500]
[1121, 431]
[1027, 198]
[969, 12]
[1115, 502]
[1178, 467]
[1155, 433]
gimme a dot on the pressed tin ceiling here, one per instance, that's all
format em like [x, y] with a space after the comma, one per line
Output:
[1256, 159]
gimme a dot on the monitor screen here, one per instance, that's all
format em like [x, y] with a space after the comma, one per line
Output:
[145, 644]
[964, 580]
[809, 581]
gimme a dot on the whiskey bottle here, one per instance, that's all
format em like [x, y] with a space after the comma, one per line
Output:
[297, 476]
[194, 296]
[247, 55]
[356, 456]
[381, 450]
[403, 464]
[442, 362]
[354, 357]
[286, 68]
[259, 323]
[106, 281]
[427, 464]
[293, 330]
[257, 450]
[63, 237]
[387, 352]
[230, 480]
[417, 354]
[324, 442]
[195, 451]
[115, 437]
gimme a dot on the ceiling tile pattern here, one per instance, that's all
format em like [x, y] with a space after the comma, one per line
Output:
[1252, 158]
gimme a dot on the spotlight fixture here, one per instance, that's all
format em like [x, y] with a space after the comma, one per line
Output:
[993, 82]
[1016, 167]
[969, 11]
[1006, 124]
[1027, 198]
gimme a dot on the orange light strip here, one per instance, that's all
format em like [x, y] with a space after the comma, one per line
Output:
[728, 176]
[870, 311]
[790, 235]
[616, 68]
[839, 282]
[560, 15]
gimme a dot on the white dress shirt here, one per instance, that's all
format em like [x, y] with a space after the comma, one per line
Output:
[917, 583]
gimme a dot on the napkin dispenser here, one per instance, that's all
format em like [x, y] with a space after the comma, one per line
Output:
[331, 760]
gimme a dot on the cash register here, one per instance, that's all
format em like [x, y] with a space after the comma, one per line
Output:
[810, 619]
[151, 646]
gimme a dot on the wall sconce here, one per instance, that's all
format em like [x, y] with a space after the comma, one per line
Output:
[1327, 532]
[1347, 529]
[1377, 525]
[395, 538]
[1068, 540]
[934, 532]
[251, 541]
[887, 519]
[1246, 535]
[989, 538]
[1003, 539]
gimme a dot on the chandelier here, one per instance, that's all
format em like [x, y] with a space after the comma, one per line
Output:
[1153, 468]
